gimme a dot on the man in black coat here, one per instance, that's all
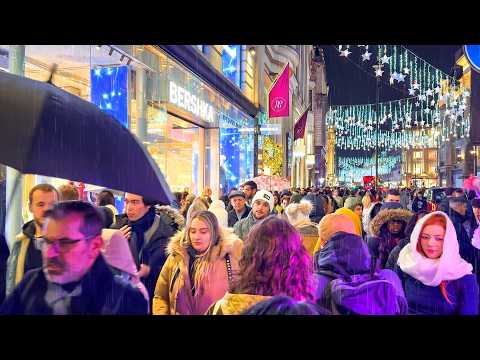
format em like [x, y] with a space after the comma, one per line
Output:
[240, 209]
[148, 235]
[75, 279]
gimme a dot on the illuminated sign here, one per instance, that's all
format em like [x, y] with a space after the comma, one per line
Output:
[185, 100]
[473, 55]
[231, 63]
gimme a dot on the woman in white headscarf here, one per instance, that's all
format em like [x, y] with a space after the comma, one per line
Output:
[436, 280]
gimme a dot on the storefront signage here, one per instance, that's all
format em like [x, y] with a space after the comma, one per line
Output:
[184, 99]
[473, 55]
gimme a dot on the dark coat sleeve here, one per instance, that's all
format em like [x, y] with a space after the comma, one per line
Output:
[468, 295]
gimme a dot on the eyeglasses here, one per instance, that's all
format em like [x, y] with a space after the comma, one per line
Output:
[63, 245]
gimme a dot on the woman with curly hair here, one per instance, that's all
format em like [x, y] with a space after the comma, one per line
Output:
[273, 262]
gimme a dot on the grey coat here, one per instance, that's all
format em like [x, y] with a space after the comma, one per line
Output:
[242, 227]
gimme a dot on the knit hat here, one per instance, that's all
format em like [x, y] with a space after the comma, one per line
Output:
[264, 195]
[217, 207]
[331, 224]
[299, 211]
[354, 217]
[351, 202]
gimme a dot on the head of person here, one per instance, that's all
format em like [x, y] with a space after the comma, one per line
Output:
[393, 195]
[217, 207]
[471, 195]
[202, 233]
[262, 204]
[199, 204]
[355, 204]
[332, 224]
[105, 197]
[41, 198]
[476, 208]
[68, 192]
[413, 221]
[285, 201]
[299, 212]
[431, 237]
[276, 199]
[71, 241]
[458, 204]
[449, 191]
[275, 262]
[250, 189]
[396, 226]
[357, 222]
[178, 196]
[207, 192]
[419, 194]
[238, 200]
[285, 305]
[458, 193]
[296, 198]
[136, 206]
[367, 200]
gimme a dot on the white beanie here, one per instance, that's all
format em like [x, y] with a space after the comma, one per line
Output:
[217, 207]
[264, 195]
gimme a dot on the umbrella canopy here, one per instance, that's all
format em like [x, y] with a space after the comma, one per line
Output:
[47, 131]
[271, 182]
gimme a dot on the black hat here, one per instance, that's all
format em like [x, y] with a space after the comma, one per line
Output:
[236, 193]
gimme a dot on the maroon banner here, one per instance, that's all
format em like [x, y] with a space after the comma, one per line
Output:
[279, 95]
[299, 129]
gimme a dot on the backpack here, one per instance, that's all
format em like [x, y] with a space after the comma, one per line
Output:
[367, 294]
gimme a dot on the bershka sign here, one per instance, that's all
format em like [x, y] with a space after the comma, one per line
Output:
[184, 99]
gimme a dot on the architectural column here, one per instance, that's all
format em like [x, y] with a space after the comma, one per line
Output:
[14, 179]
[141, 103]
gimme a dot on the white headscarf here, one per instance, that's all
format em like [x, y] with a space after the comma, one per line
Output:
[431, 272]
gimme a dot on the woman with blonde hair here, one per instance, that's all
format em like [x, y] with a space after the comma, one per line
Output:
[299, 216]
[436, 280]
[202, 262]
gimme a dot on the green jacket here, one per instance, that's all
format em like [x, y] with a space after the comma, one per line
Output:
[242, 227]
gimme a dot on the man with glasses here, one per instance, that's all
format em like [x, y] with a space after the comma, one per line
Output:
[74, 279]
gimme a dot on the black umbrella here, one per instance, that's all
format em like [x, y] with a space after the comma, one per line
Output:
[47, 131]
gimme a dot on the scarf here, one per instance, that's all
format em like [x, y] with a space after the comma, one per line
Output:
[431, 272]
[140, 226]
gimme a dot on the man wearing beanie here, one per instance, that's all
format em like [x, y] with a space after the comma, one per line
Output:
[262, 206]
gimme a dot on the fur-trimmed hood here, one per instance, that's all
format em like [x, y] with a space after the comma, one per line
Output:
[173, 214]
[229, 244]
[386, 215]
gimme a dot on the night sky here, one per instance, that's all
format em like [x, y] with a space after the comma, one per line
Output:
[349, 85]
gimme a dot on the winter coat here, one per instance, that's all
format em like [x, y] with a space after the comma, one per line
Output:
[114, 297]
[428, 300]
[467, 251]
[235, 304]
[24, 256]
[172, 216]
[242, 227]
[4, 253]
[343, 255]
[232, 216]
[419, 205]
[393, 257]
[153, 251]
[309, 233]
[382, 218]
[318, 203]
[173, 291]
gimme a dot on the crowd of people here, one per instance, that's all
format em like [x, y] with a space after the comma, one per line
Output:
[309, 251]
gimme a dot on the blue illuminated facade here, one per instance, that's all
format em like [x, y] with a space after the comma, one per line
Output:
[231, 60]
[109, 91]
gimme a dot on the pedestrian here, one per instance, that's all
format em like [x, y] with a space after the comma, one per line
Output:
[217, 207]
[285, 305]
[419, 202]
[240, 209]
[346, 282]
[296, 198]
[387, 229]
[354, 203]
[176, 200]
[369, 202]
[4, 253]
[250, 189]
[199, 204]
[277, 206]
[25, 254]
[437, 281]
[68, 192]
[393, 195]
[338, 197]
[273, 262]
[202, 261]
[148, 235]
[106, 199]
[261, 208]
[354, 217]
[319, 206]
[188, 201]
[299, 216]
[393, 257]
[74, 278]
[207, 195]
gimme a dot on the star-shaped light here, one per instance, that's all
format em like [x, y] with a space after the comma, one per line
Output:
[406, 71]
[385, 59]
[417, 104]
[378, 72]
[427, 111]
[432, 103]
[401, 78]
[411, 91]
[345, 53]
[422, 97]
[429, 92]
[340, 48]
[416, 86]
[437, 89]
[366, 56]
[389, 116]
